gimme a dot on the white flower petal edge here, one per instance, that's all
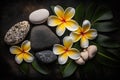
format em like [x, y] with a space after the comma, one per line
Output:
[58, 49]
[84, 42]
[62, 59]
[19, 58]
[69, 13]
[86, 25]
[73, 54]
[59, 11]
[60, 30]
[68, 42]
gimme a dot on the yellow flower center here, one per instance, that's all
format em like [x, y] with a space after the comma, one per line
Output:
[66, 50]
[63, 20]
[82, 33]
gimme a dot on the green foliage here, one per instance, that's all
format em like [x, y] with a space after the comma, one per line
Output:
[69, 69]
[24, 67]
[104, 26]
[90, 11]
[102, 13]
[39, 68]
[107, 60]
[107, 42]
[80, 13]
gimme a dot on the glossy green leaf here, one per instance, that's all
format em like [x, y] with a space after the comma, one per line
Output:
[80, 13]
[108, 57]
[104, 26]
[39, 68]
[107, 60]
[52, 8]
[90, 11]
[102, 13]
[24, 67]
[105, 41]
[69, 69]
[77, 46]
[115, 52]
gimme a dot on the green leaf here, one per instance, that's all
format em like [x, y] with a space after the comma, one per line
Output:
[107, 42]
[102, 13]
[39, 68]
[90, 11]
[80, 13]
[77, 46]
[115, 52]
[52, 8]
[107, 60]
[69, 69]
[104, 26]
[108, 57]
[24, 67]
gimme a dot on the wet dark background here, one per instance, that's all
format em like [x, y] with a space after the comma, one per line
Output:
[13, 11]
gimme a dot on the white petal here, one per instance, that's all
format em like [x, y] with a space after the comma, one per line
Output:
[15, 50]
[26, 45]
[69, 13]
[68, 42]
[60, 30]
[28, 57]
[59, 11]
[54, 21]
[91, 34]
[19, 58]
[86, 25]
[76, 37]
[84, 42]
[62, 59]
[73, 54]
[71, 25]
[58, 49]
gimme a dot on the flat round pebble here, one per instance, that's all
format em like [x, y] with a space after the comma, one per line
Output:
[17, 33]
[92, 49]
[46, 56]
[84, 55]
[80, 61]
[39, 16]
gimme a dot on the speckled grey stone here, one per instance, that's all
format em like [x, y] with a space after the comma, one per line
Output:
[46, 56]
[42, 38]
[17, 33]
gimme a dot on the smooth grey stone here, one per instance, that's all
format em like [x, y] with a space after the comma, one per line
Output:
[39, 16]
[42, 37]
[17, 33]
[46, 56]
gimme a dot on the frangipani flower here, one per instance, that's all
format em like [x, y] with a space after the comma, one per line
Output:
[66, 51]
[84, 33]
[23, 52]
[63, 20]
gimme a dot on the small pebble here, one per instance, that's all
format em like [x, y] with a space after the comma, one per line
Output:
[39, 16]
[84, 55]
[92, 49]
[46, 56]
[80, 61]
